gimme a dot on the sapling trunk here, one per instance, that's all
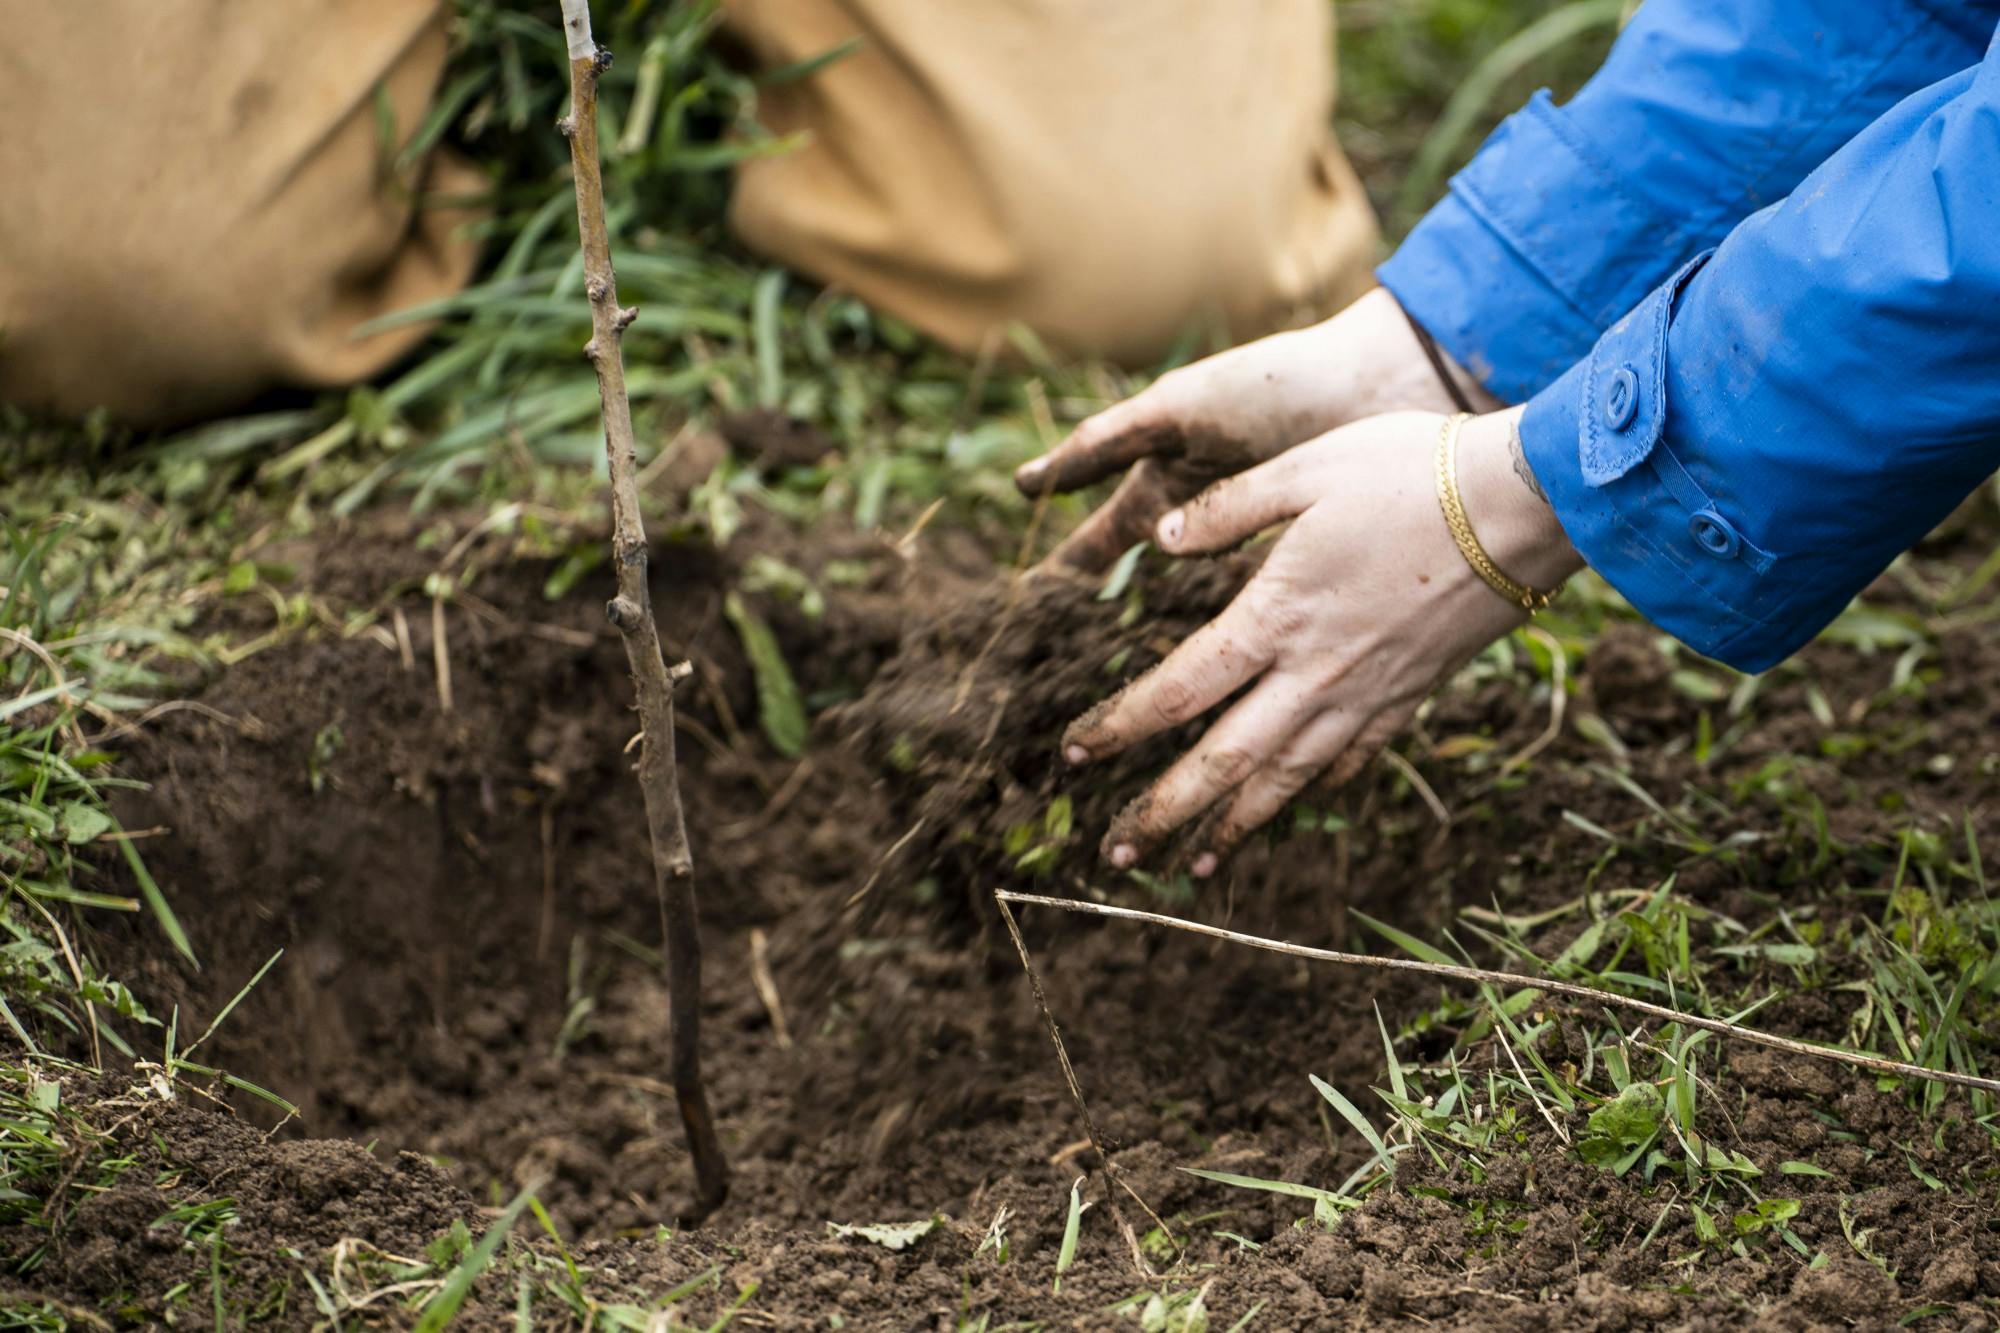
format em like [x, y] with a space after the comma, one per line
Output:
[631, 611]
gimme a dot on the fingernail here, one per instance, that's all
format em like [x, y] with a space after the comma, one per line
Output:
[1032, 470]
[1204, 865]
[1172, 525]
[1076, 754]
[1124, 856]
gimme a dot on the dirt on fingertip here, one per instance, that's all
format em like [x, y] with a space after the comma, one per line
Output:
[458, 878]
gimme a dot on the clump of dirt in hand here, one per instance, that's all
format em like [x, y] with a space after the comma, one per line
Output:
[966, 718]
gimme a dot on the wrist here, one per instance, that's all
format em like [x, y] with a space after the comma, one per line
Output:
[1505, 505]
[1426, 374]
[1374, 345]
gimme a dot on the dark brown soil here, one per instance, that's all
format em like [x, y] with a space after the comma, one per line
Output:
[465, 908]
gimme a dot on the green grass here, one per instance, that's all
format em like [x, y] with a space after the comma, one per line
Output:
[1922, 955]
[1422, 81]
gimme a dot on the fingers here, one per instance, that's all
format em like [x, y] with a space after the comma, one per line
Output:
[1207, 668]
[1109, 442]
[1362, 750]
[1238, 747]
[1266, 793]
[1239, 507]
[1119, 524]
[1332, 750]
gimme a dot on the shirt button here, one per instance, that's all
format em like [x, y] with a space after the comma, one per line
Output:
[1621, 401]
[1712, 532]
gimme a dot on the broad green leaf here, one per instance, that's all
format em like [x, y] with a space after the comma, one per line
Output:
[1631, 1116]
[82, 822]
[1619, 1131]
[781, 711]
[1802, 1169]
[1767, 1213]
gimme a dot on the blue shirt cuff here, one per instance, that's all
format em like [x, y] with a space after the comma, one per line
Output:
[1598, 442]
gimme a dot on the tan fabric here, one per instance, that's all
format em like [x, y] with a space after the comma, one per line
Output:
[192, 200]
[194, 208]
[1106, 171]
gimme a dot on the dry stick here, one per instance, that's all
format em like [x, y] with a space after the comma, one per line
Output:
[1083, 1109]
[767, 987]
[1569, 988]
[631, 611]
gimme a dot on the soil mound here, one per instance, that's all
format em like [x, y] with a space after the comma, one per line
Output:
[463, 897]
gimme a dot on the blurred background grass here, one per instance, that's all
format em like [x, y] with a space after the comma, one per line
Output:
[500, 391]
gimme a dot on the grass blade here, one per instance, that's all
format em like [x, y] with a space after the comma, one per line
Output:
[156, 900]
[1072, 1228]
[235, 1000]
[1481, 86]
[1353, 1116]
[1272, 1186]
[1403, 940]
[440, 1309]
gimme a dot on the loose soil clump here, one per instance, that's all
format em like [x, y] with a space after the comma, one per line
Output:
[464, 901]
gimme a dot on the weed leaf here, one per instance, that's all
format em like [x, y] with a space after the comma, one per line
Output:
[781, 711]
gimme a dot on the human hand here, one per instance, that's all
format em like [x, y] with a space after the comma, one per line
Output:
[1363, 606]
[1233, 411]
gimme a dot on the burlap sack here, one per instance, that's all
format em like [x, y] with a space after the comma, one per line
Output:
[192, 200]
[1105, 171]
[194, 206]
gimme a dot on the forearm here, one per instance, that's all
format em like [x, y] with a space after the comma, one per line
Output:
[1702, 114]
[1742, 453]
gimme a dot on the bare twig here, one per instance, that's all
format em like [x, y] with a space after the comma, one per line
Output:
[767, 987]
[1076, 1093]
[888, 856]
[1455, 972]
[76, 973]
[1558, 701]
[440, 654]
[49, 664]
[631, 611]
[1439, 810]
[244, 726]
[403, 646]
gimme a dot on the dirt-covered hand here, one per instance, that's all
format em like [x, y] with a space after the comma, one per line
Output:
[1361, 608]
[1233, 411]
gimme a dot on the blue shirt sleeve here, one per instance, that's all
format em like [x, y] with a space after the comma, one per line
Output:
[1704, 112]
[1765, 431]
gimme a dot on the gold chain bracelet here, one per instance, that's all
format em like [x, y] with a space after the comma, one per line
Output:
[1520, 594]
